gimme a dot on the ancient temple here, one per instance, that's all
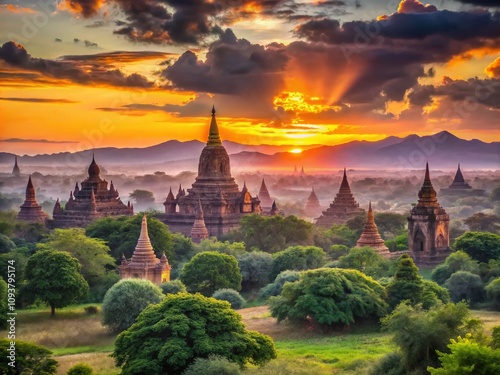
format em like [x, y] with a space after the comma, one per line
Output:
[371, 237]
[343, 207]
[199, 230]
[16, 171]
[461, 188]
[274, 210]
[30, 209]
[428, 227]
[222, 202]
[144, 264]
[90, 202]
[265, 199]
[312, 208]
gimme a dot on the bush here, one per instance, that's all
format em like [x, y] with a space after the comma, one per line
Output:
[91, 310]
[406, 284]
[30, 359]
[493, 293]
[3, 304]
[389, 364]
[297, 258]
[213, 365]
[275, 288]
[464, 285]
[173, 287]
[255, 268]
[80, 369]
[231, 296]
[126, 300]
[457, 261]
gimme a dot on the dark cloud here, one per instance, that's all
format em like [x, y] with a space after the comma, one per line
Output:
[96, 24]
[86, 8]
[90, 44]
[16, 56]
[57, 40]
[21, 140]
[493, 70]
[117, 57]
[486, 3]
[39, 100]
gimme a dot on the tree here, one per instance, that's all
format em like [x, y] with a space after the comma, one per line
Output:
[493, 293]
[341, 235]
[6, 244]
[255, 268]
[275, 288]
[183, 248]
[81, 369]
[235, 249]
[3, 304]
[125, 300]
[206, 272]
[213, 365]
[407, 283]
[398, 243]
[330, 296]
[481, 222]
[297, 258]
[231, 296]
[390, 222]
[172, 287]
[368, 261]
[457, 261]
[481, 246]
[168, 337]
[336, 251]
[142, 197]
[55, 278]
[29, 359]
[463, 285]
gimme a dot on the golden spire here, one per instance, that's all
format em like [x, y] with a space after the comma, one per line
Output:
[143, 252]
[213, 135]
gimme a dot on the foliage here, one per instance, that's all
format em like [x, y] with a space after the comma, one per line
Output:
[125, 301]
[142, 196]
[231, 296]
[121, 235]
[21, 232]
[273, 233]
[457, 261]
[3, 304]
[368, 261]
[419, 333]
[390, 364]
[206, 272]
[493, 293]
[93, 254]
[463, 285]
[468, 357]
[97, 292]
[341, 235]
[173, 287]
[55, 278]
[390, 222]
[235, 249]
[336, 251]
[168, 337]
[6, 244]
[398, 243]
[432, 294]
[488, 271]
[20, 255]
[29, 359]
[81, 369]
[481, 246]
[406, 284]
[255, 268]
[330, 296]
[183, 249]
[213, 365]
[495, 337]
[275, 288]
[297, 258]
[481, 222]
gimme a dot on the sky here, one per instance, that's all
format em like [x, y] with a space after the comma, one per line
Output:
[82, 74]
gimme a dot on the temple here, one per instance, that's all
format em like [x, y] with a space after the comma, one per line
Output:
[199, 230]
[265, 199]
[371, 237]
[274, 210]
[428, 227]
[144, 264]
[312, 208]
[460, 188]
[223, 204]
[30, 209]
[16, 171]
[90, 202]
[343, 207]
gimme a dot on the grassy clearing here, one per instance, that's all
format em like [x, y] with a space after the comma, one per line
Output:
[102, 363]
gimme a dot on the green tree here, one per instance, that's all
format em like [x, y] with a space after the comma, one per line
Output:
[481, 222]
[457, 261]
[55, 278]
[297, 258]
[275, 288]
[172, 287]
[390, 222]
[481, 246]
[399, 242]
[368, 261]
[336, 251]
[29, 359]
[468, 357]
[6, 244]
[3, 304]
[142, 196]
[125, 300]
[407, 283]
[493, 293]
[81, 369]
[255, 268]
[206, 272]
[341, 235]
[183, 248]
[463, 285]
[231, 296]
[213, 365]
[330, 296]
[168, 337]
[20, 257]
[235, 249]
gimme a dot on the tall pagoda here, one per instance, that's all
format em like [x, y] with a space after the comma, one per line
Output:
[312, 208]
[144, 264]
[199, 230]
[30, 209]
[222, 202]
[371, 237]
[461, 188]
[16, 171]
[428, 227]
[343, 207]
[265, 199]
[90, 202]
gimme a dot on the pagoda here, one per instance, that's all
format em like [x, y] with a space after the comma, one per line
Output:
[312, 208]
[30, 209]
[274, 210]
[265, 199]
[16, 171]
[371, 237]
[199, 231]
[144, 264]
[222, 202]
[90, 202]
[461, 188]
[428, 227]
[343, 207]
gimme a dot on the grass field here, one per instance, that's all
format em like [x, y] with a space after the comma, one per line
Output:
[74, 337]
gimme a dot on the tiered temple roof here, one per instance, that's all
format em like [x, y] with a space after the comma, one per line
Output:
[199, 231]
[312, 208]
[30, 209]
[371, 237]
[343, 207]
[92, 201]
[265, 199]
[460, 187]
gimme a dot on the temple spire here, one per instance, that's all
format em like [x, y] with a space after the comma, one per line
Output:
[199, 230]
[30, 209]
[427, 174]
[144, 252]
[370, 236]
[427, 196]
[213, 135]
[16, 171]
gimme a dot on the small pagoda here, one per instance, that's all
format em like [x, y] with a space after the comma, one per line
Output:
[460, 188]
[312, 208]
[265, 199]
[371, 237]
[16, 171]
[343, 207]
[30, 209]
[199, 231]
[144, 264]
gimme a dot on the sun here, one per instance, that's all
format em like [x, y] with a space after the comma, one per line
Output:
[296, 151]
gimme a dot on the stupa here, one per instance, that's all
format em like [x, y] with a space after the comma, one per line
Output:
[30, 209]
[312, 208]
[460, 188]
[265, 199]
[16, 171]
[199, 231]
[371, 237]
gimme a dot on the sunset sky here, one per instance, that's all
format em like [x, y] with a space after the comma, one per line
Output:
[80, 74]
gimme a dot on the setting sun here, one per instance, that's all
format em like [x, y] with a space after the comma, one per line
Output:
[296, 151]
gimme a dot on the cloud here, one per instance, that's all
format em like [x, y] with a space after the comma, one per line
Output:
[493, 70]
[86, 43]
[486, 3]
[14, 8]
[87, 8]
[97, 24]
[415, 6]
[57, 40]
[39, 100]
[118, 57]
[17, 57]
[21, 140]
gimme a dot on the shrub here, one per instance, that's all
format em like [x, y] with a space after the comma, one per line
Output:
[389, 364]
[255, 268]
[213, 365]
[464, 285]
[275, 288]
[297, 258]
[173, 287]
[125, 301]
[457, 261]
[493, 293]
[91, 310]
[80, 369]
[231, 296]
[30, 359]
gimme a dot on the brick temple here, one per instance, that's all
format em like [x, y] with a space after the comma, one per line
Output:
[371, 237]
[312, 208]
[459, 187]
[30, 209]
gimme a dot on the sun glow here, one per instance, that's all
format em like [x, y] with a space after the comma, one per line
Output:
[296, 151]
